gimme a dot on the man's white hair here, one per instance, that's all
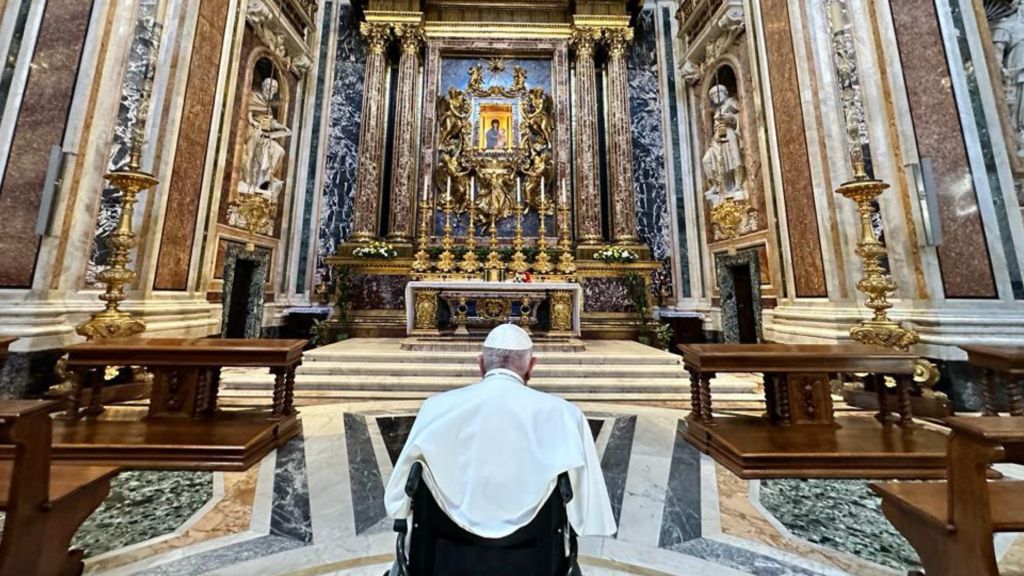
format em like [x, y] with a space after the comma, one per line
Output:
[517, 361]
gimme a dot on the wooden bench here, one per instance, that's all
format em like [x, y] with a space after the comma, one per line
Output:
[1007, 361]
[799, 435]
[183, 427]
[45, 503]
[951, 524]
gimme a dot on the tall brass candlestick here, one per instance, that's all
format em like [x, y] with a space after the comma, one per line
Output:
[494, 265]
[518, 263]
[566, 262]
[421, 263]
[880, 330]
[470, 263]
[543, 265]
[446, 263]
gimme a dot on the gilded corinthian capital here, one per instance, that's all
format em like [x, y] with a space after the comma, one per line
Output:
[377, 35]
[583, 41]
[617, 39]
[411, 37]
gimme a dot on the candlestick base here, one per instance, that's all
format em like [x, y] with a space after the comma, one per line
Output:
[470, 263]
[446, 262]
[518, 263]
[567, 263]
[542, 264]
[421, 263]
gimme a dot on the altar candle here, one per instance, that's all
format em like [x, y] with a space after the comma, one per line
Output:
[542, 183]
[565, 193]
[448, 193]
[426, 187]
[472, 188]
[519, 190]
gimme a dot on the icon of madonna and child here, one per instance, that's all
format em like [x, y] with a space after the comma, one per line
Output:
[496, 127]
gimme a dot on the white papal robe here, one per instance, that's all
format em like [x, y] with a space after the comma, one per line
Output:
[493, 452]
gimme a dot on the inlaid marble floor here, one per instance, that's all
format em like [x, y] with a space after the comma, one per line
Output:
[316, 507]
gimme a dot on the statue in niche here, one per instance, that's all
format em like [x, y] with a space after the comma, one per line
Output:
[724, 171]
[455, 111]
[263, 153]
[1008, 38]
[723, 161]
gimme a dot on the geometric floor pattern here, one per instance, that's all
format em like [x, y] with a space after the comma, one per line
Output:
[316, 507]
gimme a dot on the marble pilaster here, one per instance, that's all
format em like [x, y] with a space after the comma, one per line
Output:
[403, 179]
[371, 140]
[623, 209]
[588, 193]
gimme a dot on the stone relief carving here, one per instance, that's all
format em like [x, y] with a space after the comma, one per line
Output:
[724, 170]
[730, 26]
[262, 155]
[272, 31]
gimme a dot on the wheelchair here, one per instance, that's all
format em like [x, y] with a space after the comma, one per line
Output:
[547, 546]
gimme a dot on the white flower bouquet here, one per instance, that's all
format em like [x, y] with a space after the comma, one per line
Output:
[376, 249]
[616, 255]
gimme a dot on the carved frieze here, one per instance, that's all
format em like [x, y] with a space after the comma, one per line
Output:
[279, 34]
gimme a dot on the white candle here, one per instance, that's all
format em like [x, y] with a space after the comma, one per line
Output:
[472, 188]
[448, 193]
[519, 190]
[426, 188]
[542, 182]
[565, 193]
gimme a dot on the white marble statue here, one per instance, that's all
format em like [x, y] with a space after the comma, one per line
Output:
[724, 171]
[1008, 38]
[263, 153]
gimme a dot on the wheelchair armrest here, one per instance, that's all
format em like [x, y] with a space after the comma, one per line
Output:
[413, 483]
[565, 488]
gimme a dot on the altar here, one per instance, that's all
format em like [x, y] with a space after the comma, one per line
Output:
[470, 308]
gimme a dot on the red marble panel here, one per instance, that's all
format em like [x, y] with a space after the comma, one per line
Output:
[801, 212]
[963, 256]
[41, 122]
[186, 180]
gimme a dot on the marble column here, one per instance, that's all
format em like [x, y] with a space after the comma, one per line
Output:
[403, 179]
[371, 138]
[620, 161]
[588, 193]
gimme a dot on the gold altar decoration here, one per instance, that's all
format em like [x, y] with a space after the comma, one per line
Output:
[463, 154]
[112, 322]
[469, 263]
[880, 330]
[518, 264]
[257, 210]
[561, 311]
[446, 262]
[566, 262]
[422, 263]
[426, 309]
[542, 263]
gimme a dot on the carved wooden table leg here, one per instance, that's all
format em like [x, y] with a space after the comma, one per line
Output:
[279, 387]
[289, 391]
[771, 396]
[988, 395]
[903, 384]
[782, 398]
[705, 397]
[214, 390]
[694, 394]
[883, 398]
[1013, 390]
[95, 407]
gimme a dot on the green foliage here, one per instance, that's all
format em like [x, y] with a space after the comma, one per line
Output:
[663, 334]
[319, 333]
[343, 285]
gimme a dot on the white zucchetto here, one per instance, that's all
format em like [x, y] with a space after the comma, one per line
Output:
[508, 337]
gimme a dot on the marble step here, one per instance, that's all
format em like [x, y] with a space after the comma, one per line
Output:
[433, 383]
[558, 359]
[471, 370]
[746, 400]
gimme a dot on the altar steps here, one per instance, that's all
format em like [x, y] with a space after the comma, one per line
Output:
[362, 369]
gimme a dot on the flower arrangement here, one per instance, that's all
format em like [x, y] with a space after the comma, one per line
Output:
[376, 249]
[616, 255]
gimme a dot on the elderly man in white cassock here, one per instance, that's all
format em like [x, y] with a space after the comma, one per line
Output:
[492, 452]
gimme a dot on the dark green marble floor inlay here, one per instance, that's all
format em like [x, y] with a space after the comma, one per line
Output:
[839, 514]
[143, 505]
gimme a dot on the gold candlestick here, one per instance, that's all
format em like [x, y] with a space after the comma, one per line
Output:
[543, 265]
[518, 263]
[112, 322]
[422, 262]
[494, 265]
[567, 262]
[470, 263]
[880, 330]
[446, 263]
